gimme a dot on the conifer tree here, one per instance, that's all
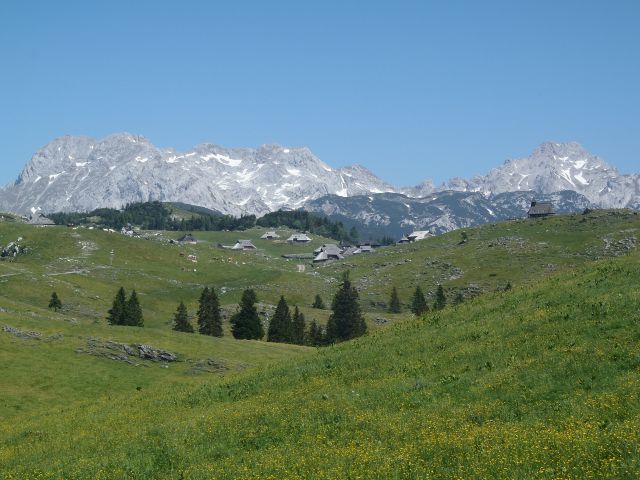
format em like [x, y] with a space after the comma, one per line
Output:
[216, 316]
[298, 327]
[55, 302]
[246, 324]
[441, 300]
[280, 327]
[419, 304]
[117, 312]
[181, 320]
[394, 301]
[346, 321]
[209, 318]
[315, 335]
[318, 303]
[133, 312]
[203, 312]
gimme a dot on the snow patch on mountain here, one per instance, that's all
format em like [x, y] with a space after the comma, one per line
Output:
[554, 167]
[85, 173]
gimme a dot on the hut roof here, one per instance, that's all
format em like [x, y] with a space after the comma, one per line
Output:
[40, 219]
[299, 237]
[188, 238]
[540, 208]
[244, 245]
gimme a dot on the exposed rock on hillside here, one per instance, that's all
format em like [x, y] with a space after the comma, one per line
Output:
[21, 333]
[126, 353]
[12, 250]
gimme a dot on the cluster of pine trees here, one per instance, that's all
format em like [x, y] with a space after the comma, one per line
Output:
[208, 222]
[287, 328]
[149, 215]
[245, 323]
[126, 311]
[284, 327]
[419, 305]
[209, 317]
[157, 216]
[309, 222]
[346, 321]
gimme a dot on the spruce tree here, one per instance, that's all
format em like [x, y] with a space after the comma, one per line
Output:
[280, 328]
[55, 302]
[203, 313]
[315, 336]
[209, 318]
[181, 320]
[216, 316]
[245, 324]
[133, 312]
[394, 301]
[346, 321]
[318, 303]
[117, 312]
[298, 327]
[419, 303]
[441, 300]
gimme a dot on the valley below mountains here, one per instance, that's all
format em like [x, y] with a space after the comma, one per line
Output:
[74, 173]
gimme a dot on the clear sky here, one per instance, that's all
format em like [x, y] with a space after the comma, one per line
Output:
[410, 89]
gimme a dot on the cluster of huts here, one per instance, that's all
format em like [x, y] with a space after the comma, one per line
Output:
[331, 251]
[241, 244]
[248, 245]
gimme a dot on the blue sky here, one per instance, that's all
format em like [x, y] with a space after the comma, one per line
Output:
[409, 89]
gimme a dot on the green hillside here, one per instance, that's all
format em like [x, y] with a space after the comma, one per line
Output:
[87, 266]
[540, 381]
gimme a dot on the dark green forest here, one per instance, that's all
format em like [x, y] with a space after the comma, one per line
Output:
[160, 216]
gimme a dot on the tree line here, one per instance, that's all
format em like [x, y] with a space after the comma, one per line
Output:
[345, 322]
[419, 304]
[309, 222]
[153, 216]
[286, 326]
[157, 216]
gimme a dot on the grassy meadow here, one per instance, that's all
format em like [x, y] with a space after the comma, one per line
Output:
[541, 381]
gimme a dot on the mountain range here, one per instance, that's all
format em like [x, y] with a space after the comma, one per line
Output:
[76, 173]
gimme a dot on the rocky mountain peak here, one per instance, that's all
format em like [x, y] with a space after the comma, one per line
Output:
[559, 149]
[125, 137]
[77, 173]
[80, 173]
[554, 167]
